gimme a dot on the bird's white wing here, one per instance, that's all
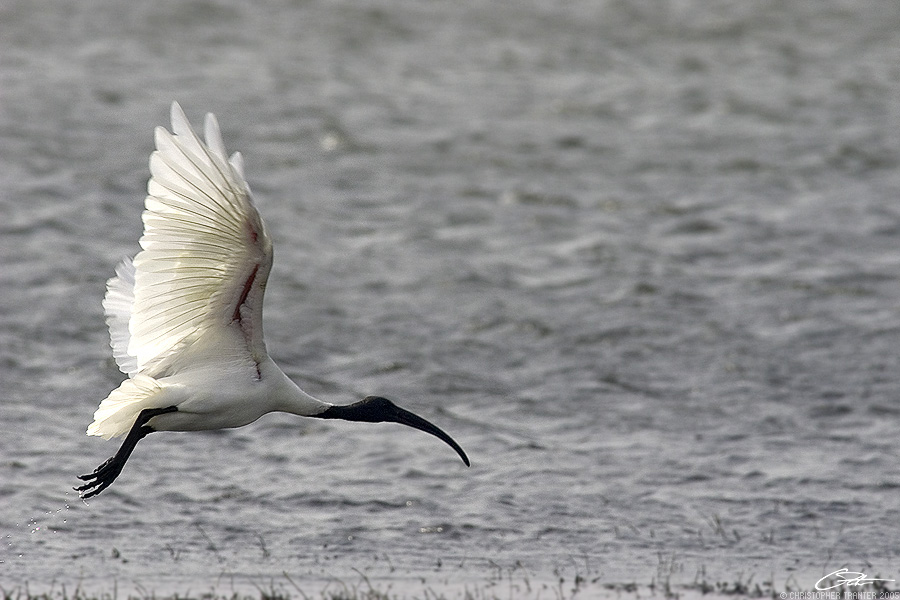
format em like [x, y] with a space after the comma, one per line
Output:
[205, 259]
[117, 304]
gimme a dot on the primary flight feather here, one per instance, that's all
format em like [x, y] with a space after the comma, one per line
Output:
[185, 315]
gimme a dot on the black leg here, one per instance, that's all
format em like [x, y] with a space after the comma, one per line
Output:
[106, 473]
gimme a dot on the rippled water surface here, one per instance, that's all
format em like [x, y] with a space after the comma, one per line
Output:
[639, 258]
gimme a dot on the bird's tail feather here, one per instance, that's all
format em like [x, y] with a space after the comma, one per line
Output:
[116, 414]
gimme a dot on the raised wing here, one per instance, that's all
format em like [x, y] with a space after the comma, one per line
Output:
[117, 304]
[205, 260]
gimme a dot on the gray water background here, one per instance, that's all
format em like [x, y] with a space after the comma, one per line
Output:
[640, 258]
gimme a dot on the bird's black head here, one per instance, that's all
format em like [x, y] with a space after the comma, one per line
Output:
[375, 409]
[371, 409]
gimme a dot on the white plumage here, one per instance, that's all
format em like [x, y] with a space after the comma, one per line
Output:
[185, 316]
[191, 301]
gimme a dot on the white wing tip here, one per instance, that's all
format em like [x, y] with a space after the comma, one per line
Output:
[181, 127]
[237, 162]
[180, 123]
[214, 136]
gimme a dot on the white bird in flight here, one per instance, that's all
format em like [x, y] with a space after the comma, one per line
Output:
[185, 315]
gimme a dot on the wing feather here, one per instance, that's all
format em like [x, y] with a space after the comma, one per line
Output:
[117, 304]
[204, 261]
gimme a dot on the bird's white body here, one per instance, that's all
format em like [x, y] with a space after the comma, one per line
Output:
[207, 397]
[185, 317]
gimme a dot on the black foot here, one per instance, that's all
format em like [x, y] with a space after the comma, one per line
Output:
[100, 479]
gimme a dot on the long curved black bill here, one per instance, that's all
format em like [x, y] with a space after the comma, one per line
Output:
[404, 417]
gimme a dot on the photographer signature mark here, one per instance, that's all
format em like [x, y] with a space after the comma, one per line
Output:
[845, 577]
